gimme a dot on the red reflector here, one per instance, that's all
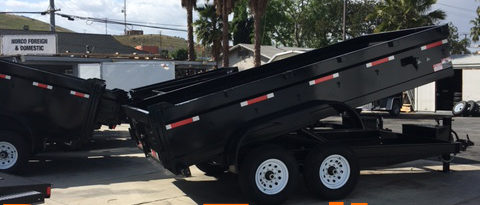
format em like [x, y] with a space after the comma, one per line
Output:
[41, 85]
[79, 94]
[378, 62]
[154, 154]
[6, 77]
[437, 67]
[434, 44]
[256, 100]
[48, 192]
[182, 123]
[323, 79]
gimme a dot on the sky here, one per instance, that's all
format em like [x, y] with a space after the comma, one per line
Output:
[170, 12]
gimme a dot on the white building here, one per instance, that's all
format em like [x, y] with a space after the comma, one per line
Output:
[442, 94]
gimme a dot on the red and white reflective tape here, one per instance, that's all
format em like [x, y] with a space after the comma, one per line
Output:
[437, 67]
[182, 123]
[6, 77]
[78, 94]
[434, 44]
[155, 155]
[256, 100]
[378, 62]
[323, 79]
[447, 60]
[41, 85]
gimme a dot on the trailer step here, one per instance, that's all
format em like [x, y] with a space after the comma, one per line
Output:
[28, 197]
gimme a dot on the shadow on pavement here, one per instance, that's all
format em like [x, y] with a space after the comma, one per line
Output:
[107, 160]
[425, 186]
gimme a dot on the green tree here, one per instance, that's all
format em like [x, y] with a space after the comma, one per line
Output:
[258, 8]
[277, 25]
[475, 30]
[189, 5]
[180, 54]
[400, 14]
[242, 23]
[315, 23]
[208, 29]
[457, 46]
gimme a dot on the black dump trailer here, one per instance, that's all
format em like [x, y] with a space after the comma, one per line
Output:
[266, 124]
[142, 93]
[19, 190]
[39, 108]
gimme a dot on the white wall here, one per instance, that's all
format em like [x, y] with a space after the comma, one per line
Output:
[425, 97]
[471, 84]
[87, 71]
[129, 75]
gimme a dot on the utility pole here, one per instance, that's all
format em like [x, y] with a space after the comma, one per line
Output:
[52, 15]
[344, 36]
[106, 26]
[125, 15]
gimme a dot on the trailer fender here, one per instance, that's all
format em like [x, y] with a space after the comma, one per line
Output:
[10, 123]
[236, 140]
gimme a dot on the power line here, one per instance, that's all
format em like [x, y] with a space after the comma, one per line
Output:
[24, 12]
[100, 20]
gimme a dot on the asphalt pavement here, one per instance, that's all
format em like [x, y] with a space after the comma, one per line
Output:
[111, 170]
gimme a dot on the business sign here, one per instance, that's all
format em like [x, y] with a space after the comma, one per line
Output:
[29, 44]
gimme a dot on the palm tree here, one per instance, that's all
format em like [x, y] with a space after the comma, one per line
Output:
[224, 7]
[208, 29]
[189, 5]
[401, 14]
[475, 30]
[258, 7]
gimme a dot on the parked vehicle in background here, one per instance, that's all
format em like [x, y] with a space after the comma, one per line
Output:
[39, 109]
[392, 104]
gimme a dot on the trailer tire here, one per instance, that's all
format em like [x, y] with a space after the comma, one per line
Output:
[274, 185]
[331, 173]
[396, 107]
[472, 107]
[211, 168]
[14, 152]
[459, 108]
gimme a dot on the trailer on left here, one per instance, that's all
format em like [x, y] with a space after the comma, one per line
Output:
[39, 109]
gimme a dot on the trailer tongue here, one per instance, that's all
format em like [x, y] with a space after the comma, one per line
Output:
[263, 123]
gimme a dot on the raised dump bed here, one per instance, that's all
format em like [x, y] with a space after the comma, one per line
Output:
[263, 123]
[39, 108]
